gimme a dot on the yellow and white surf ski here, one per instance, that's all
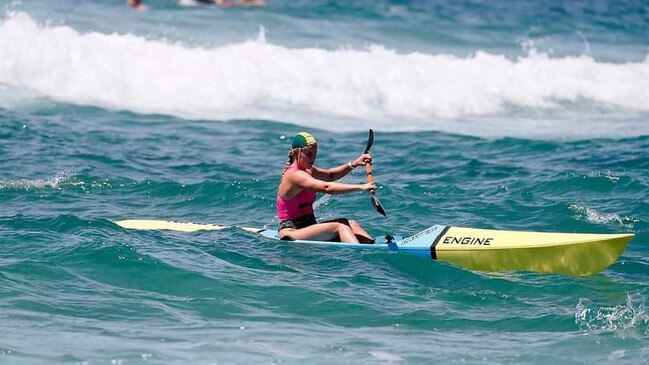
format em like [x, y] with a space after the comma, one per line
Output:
[471, 248]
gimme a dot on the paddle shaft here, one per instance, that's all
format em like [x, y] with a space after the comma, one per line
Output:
[368, 172]
[370, 176]
[368, 163]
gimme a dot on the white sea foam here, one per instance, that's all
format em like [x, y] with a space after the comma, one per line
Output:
[623, 320]
[386, 356]
[28, 184]
[258, 79]
[594, 216]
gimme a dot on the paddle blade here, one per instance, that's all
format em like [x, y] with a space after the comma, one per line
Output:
[370, 140]
[377, 205]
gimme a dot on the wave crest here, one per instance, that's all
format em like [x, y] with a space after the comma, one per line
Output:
[256, 79]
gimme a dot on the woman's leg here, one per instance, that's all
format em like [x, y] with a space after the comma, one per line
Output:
[327, 231]
[361, 235]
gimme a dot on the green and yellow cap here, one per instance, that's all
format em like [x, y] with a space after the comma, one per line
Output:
[303, 139]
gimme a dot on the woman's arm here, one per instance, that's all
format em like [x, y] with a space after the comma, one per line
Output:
[305, 181]
[336, 173]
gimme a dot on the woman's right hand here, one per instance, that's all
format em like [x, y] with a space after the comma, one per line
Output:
[368, 186]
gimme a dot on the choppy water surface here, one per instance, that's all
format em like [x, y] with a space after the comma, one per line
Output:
[492, 115]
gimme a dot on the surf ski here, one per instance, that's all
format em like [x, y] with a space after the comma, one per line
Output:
[579, 254]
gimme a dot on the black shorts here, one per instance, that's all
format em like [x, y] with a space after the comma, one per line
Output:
[298, 223]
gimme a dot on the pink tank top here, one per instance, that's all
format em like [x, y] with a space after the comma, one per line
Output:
[298, 206]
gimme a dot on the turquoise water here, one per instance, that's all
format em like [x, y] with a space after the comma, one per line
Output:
[503, 115]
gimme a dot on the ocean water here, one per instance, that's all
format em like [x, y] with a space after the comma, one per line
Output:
[518, 115]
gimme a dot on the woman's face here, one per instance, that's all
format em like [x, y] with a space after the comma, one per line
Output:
[307, 156]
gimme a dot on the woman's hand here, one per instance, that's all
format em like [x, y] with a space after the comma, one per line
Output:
[368, 186]
[360, 161]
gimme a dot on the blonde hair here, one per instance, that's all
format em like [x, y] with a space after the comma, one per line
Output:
[288, 164]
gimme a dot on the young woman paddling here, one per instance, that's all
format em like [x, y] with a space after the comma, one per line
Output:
[300, 182]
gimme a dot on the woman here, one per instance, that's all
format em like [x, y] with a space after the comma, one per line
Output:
[136, 4]
[300, 182]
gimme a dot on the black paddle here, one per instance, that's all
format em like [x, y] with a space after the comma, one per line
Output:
[370, 178]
